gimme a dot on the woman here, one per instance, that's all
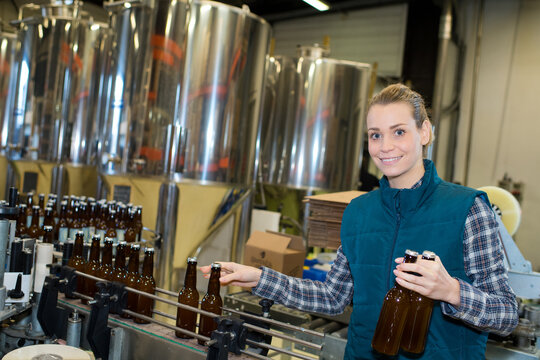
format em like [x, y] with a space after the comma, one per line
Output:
[412, 209]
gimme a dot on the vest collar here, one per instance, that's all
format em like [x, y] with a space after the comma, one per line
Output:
[408, 200]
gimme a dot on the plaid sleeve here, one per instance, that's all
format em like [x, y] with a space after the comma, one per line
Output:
[328, 297]
[488, 304]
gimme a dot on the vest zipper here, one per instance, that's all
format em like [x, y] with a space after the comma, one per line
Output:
[398, 220]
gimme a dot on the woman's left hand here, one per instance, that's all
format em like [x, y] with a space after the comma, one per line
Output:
[435, 282]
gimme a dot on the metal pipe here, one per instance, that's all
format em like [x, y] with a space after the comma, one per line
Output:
[206, 313]
[152, 296]
[445, 33]
[276, 323]
[82, 296]
[219, 222]
[256, 356]
[283, 351]
[166, 292]
[4, 227]
[168, 316]
[172, 327]
[283, 336]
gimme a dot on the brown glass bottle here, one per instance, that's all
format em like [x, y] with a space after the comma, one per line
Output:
[145, 305]
[211, 302]
[131, 232]
[106, 268]
[21, 229]
[119, 272]
[34, 231]
[101, 225]
[41, 203]
[29, 206]
[63, 224]
[77, 261]
[92, 267]
[48, 234]
[417, 324]
[92, 218]
[49, 217]
[389, 330]
[75, 225]
[138, 222]
[83, 221]
[121, 222]
[189, 295]
[132, 278]
[111, 226]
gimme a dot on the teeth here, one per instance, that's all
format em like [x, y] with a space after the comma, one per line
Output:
[390, 159]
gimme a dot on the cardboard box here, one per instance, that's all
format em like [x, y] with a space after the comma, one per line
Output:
[282, 252]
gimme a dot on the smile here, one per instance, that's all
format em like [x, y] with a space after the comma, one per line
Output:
[390, 160]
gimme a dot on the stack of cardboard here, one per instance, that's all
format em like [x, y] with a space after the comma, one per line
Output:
[325, 220]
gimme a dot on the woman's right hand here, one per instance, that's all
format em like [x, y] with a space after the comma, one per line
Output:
[236, 274]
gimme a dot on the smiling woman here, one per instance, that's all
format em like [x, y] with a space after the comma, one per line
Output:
[413, 209]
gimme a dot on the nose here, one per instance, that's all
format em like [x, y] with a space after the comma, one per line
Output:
[387, 144]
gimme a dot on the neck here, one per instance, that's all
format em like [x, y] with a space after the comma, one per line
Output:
[407, 180]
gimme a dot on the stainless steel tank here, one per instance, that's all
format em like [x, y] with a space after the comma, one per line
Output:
[127, 77]
[312, 122]
[204, 96]
[8, 41]
[57, 85]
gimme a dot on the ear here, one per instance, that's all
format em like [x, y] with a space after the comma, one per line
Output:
[425, 132]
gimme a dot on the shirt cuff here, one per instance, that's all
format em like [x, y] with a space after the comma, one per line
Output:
[269, 283]
[465, 291]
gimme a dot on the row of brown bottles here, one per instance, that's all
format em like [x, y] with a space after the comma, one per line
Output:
[211, 302]
[404, 318]
[108, 219]
[105, 270]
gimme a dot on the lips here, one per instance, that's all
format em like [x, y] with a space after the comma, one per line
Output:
[390, 160]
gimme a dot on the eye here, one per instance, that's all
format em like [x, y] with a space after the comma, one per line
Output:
[374, 136]
[400, 132]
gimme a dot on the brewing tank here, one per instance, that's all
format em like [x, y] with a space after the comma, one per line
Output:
[313, 121]
[57, 85]
[204, 92]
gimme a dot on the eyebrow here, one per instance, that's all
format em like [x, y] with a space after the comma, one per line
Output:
[391, 127]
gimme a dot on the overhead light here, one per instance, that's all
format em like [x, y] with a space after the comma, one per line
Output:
[317, 4]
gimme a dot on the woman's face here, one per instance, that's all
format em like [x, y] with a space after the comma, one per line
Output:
[395, 143]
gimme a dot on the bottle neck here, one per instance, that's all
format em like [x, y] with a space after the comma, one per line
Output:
[107, 255]
[120, 258]
[148, 265]
[133, 265]
[190, 280]
[94, 251]
[78, 246]
[213, 284]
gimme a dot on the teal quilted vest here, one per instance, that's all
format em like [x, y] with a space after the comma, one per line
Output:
[377, 228]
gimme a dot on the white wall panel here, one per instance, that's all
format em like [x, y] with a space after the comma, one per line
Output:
[506, 120]
[368, 35]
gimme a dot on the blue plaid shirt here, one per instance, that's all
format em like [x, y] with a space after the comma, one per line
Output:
[488, 304]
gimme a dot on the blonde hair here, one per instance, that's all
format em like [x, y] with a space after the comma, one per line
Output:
[397, 93]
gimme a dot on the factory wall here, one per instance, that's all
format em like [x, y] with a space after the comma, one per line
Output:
[504, 108]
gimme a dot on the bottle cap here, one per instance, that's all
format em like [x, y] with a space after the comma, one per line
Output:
[135, 246]
[149, 250]
[123, 243]
[35, 207]
[192, 260]
[48, 228]
[80, 233]
[107, 240]
[216, 266]
[429, 255]
[411, 252]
